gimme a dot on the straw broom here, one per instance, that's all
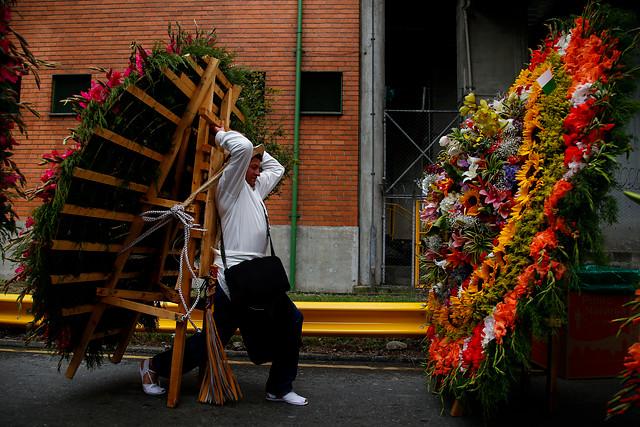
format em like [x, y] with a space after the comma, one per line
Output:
[219, 384]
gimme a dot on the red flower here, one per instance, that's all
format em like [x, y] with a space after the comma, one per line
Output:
[472, 355]
[114, 78]
[457, 258]
[572, 155]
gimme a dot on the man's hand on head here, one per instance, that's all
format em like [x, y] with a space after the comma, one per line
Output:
[213, 131]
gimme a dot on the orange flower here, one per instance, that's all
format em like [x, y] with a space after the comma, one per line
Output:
[444, 185]
[504, 315]
[544, 240]
[589, 57]
[560, 189]
[471, 201]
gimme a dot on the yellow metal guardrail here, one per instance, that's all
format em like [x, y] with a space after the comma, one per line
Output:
[373, 319]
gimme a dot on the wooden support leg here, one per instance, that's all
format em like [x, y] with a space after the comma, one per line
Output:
[124, 340]
[175, 380]
[78, 352]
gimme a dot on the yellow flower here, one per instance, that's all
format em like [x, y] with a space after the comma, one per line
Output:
[531, 121]
[505, 237]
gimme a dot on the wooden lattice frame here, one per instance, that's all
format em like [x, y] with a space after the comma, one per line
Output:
[212, 101]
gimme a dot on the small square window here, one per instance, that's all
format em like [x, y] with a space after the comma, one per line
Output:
[321, 92]
[64, 86]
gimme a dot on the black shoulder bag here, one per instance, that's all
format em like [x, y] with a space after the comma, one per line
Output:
[256, 281]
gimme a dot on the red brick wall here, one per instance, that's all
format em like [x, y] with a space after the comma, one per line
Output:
[76, 35]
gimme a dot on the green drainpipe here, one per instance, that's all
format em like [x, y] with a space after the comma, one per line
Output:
[296, 155]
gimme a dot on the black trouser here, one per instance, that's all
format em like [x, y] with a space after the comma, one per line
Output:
[262, 344]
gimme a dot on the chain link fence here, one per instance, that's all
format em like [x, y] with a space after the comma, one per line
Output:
[411, 144]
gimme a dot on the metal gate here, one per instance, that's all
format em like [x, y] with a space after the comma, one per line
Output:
[410, 144]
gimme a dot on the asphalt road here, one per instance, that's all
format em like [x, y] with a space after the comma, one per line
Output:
[35, 393]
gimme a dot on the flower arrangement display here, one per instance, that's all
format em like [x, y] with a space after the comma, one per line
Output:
[514, 204]
[108, 105]
[15, 62]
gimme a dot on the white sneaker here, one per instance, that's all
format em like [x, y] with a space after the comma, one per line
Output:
[292, 398]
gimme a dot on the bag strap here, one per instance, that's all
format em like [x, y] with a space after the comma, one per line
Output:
[224, 257]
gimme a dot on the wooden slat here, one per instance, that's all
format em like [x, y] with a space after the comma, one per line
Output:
[79, 309]
[211, 118]
[165, 203]
[67, 245]
[109, 180]
[238, 113]
[210, 217]
[234, 109]
[170, 294]
[152, 103]
[137, 295]
[223, 79]
[182, 82]
[141, 308]
[170, 273]
[185, 121]
[97, 213]
[198, 69]
[181, 162]
[84, 277]
[228, 102]
[59, 279]
[128, 144]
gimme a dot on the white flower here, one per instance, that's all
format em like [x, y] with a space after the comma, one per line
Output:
[427, 181]
[488, 334]
[581, 94]
[447, 204]
[562, 43]
[465, 344]
[471, 173]
[574, 168]
[453, 148]
[442, 264]
[438, 287]
[444, 141]
[497, 105]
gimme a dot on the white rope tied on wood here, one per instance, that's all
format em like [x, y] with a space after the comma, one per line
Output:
[161, 218]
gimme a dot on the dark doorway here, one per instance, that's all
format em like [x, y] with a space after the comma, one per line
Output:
[420, 70]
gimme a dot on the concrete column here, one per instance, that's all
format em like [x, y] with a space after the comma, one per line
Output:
[372, 90]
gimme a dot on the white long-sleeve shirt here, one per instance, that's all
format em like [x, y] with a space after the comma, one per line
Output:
[241, 208]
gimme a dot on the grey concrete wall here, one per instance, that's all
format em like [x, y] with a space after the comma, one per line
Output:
[622, 240]
[327, 258]
[496, 49]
